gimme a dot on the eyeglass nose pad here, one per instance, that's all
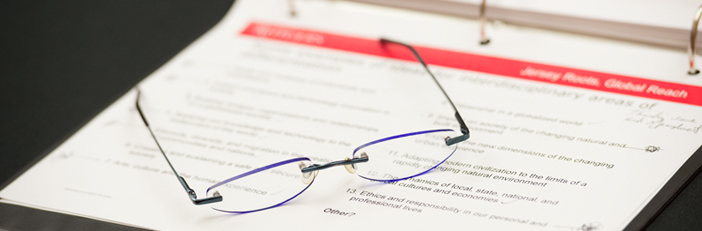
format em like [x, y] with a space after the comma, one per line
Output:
[351, 168]
[307, 177]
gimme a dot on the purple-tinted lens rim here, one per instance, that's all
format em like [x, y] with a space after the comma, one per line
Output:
[402, 136]
[264, 168]
[277, 164]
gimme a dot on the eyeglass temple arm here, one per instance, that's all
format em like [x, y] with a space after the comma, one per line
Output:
[190, 191]
[461, 124]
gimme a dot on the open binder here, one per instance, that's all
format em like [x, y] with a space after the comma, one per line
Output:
[662, 36]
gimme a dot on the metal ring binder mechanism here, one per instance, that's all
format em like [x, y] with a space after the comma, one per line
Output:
[291, 8]
[483, 39]
[482, 19]
[691, 47]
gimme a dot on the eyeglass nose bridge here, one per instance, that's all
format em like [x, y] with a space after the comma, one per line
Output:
[348, 163]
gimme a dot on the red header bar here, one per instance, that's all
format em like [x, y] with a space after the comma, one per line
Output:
[626, 85]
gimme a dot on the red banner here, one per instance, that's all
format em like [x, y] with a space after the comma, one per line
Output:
[626, 85]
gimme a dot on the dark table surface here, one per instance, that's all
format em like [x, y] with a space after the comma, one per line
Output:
[62, 62]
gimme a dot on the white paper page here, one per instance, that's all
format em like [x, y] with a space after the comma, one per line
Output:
[542, 156]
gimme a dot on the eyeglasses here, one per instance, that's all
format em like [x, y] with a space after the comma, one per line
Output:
[388, 159]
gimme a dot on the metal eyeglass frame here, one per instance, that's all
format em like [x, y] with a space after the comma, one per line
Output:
[315, 167]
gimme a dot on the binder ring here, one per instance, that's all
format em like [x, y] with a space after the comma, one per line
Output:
[291, 8]
[483, 39]
[691, 48]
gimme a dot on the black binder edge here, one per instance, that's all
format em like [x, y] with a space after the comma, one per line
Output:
[65, 138]
[16, 217]
[685, 174]
[21, 217]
